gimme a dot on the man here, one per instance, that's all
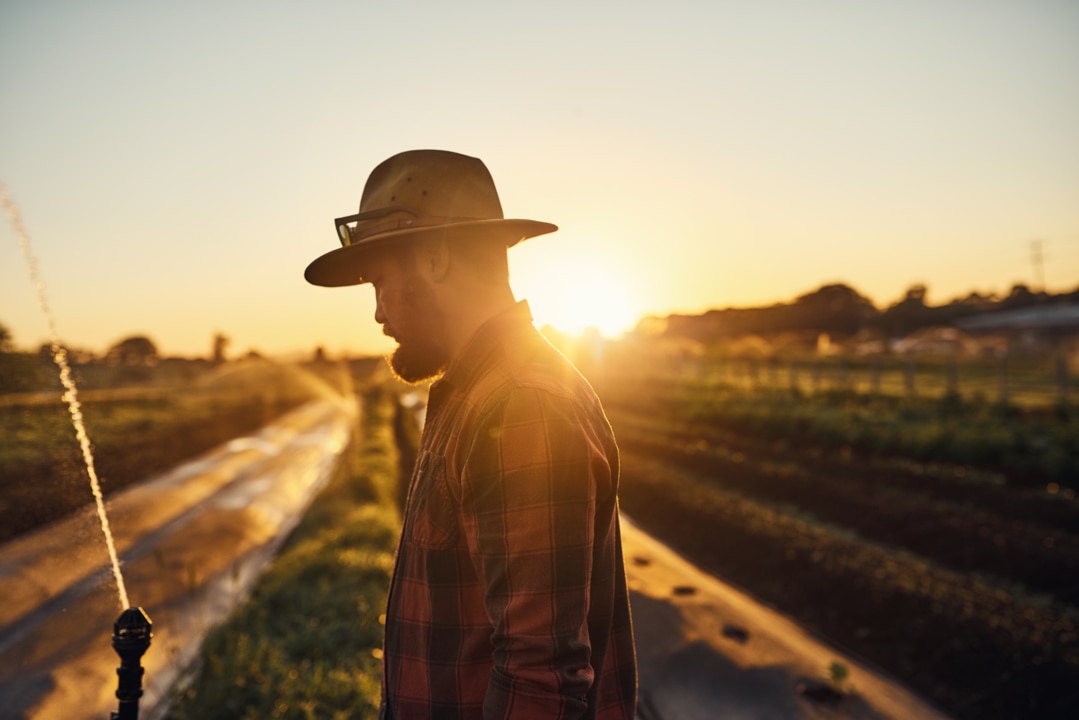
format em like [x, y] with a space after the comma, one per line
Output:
[508, 597]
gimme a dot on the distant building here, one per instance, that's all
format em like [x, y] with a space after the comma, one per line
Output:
[1062, 320]
[938, 341]
[1035, 328]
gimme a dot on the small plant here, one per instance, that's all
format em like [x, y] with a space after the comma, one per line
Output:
[838, 674]
[832, 691]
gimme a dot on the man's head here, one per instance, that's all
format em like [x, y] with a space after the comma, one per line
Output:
[431, 238]
[430, 294]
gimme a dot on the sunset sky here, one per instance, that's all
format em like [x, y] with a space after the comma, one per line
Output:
[177, 165]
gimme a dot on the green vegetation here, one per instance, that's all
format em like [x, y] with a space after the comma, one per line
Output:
[136, 429]
[23, 372]
[837, 676]
[307, 643]
[1028, 447]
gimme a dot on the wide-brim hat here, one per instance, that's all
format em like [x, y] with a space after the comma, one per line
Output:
[419, 193]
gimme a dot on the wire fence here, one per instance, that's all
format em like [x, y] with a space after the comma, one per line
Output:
[1023, 381]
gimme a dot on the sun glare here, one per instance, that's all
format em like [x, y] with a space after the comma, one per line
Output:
[582, 298]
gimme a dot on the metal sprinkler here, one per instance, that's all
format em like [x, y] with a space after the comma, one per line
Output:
[131, 637]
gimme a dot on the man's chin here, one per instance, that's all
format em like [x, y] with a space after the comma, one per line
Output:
[413, 369]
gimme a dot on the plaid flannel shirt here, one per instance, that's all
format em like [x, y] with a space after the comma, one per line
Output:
[509, 597]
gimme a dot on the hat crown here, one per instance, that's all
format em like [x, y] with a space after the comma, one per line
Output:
[433, 184]
[414, 194]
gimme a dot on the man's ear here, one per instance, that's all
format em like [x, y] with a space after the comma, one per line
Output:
[433, 258]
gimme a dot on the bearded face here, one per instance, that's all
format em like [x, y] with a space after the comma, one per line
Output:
[416, 322]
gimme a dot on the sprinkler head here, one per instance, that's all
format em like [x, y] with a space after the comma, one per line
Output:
[131, 635]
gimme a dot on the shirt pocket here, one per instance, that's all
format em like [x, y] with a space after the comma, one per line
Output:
[431, 515]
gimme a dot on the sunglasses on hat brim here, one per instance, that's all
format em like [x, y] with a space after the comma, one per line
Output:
[353, 228]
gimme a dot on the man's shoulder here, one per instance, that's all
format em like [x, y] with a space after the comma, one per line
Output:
[530, 381]
[530, 362]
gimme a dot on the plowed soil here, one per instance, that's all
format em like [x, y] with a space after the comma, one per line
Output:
[962, 585]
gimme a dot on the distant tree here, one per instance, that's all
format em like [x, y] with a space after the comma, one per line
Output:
[976, 299]
[320, 354]
[1021, 296]
[836, 309]
[134, 350]
[909, 314]
[221, 342]
[24, 372]
[916, 295]
[19, 372]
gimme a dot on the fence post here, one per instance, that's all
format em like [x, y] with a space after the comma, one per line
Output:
[793, 375]
[1062, 377]
[1002, 368]
[953, 378]
[908, 377]
[874, 375]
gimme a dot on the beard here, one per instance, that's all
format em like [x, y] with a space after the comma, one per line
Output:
[417, 360]
[421, 351]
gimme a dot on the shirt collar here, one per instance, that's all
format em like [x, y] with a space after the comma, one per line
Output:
[472, 360]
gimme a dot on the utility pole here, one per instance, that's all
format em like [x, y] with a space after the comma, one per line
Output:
[1036, 259]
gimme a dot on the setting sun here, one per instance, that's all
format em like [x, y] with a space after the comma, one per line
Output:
[582, 297]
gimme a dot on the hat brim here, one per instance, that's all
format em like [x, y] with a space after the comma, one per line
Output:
[344, 266]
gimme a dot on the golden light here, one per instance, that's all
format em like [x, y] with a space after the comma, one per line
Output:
[581, 297]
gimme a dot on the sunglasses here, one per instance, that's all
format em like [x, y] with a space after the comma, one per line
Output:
[353, 228]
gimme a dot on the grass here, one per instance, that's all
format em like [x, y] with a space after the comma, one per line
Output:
[307, 644]
[133, 436]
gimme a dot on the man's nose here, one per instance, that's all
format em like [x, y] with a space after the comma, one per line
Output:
[380, 314]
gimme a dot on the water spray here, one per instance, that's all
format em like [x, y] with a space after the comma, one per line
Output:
[71, 392]
[132, 631]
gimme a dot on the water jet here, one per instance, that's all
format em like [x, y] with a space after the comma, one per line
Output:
[132, 631]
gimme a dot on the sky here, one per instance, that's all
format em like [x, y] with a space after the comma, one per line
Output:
[177, 165]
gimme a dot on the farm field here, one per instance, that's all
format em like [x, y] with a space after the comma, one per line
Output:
[937, 539]
[1031, 382]
[934, 537]
[135, 428]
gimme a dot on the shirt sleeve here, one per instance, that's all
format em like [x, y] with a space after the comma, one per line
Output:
[532, 478]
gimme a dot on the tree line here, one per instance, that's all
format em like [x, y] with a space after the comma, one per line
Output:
[33, 371]
[841, 311]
